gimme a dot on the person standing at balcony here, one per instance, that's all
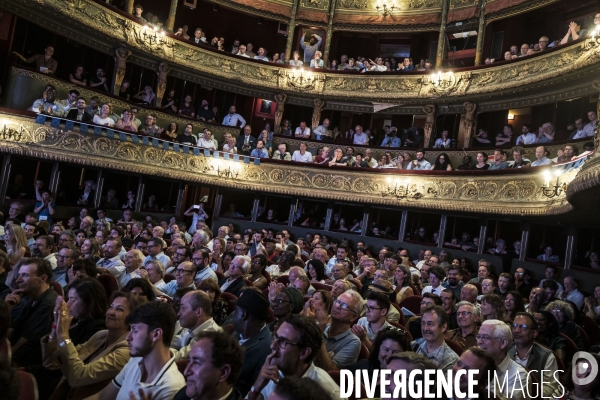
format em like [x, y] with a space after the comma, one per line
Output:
[390, 139]
[205, 113]
[233, 118]
[573, 33]
[187, 108]
[44, 63]
[527, 136]
[99, 82]
[261, 55]
[246, 142]
[302, 131]
[588, 129]
[311, 48]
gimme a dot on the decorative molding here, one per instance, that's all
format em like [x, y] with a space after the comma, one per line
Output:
[515, 194]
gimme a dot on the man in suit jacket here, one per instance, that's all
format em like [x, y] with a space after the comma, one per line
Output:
[250, 328]
[246, 142]
[235, 282]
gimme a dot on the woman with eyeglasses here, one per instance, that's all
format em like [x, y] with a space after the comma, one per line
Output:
[513, 304]
[287, 301]
[565, 316]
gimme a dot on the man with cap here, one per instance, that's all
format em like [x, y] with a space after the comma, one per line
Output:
[250, 328]
[384, 286]
[288, 301]
[235, 282]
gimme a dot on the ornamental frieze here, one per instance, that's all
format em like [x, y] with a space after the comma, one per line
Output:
[502, 194]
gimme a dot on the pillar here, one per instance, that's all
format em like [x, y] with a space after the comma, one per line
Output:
[280, 99]
[332, 6]
[291, 29]
[121, 55]
[139, 199]
[439, 58]
[4, 177]
[129, 7]
[316, 117]
[161, 83]
[469, 123]
[171, 20]
[429, 110]
[480, 34]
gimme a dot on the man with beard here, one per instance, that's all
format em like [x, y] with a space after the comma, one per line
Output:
[205, 113]
[151, 372]
[420, 163]
[454, 281]
[434, 323]
[99, 82]
[43, 249]
[64, 260]
[295, 347]
[78, 113]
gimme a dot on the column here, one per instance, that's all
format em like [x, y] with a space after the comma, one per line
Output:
[129, 6]
[439, 58]
[291, 29]
[139, 199]
[442, 231]
[332, 6]
[480, 34]
[525, 228]
[328, 217]
[99, 187]
[255, 209]
[482, 235]
[54, 177]
[469, 122]
[403, 221]
[161, 84]
[4, 177]
[180, 198]
[429, 110]
[171, 20]
[571, 247]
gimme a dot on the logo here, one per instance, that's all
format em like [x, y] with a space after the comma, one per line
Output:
[582, 367]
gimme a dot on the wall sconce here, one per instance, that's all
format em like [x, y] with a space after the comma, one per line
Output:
[385, 7]
[10, 133]
[227, 173]
[558, 188]
[399, 191]
[153, 37]
[511, 117]
[442, 80]
[300, 78]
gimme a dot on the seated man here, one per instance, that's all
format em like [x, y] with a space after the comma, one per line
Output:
[360, 137]
[195, 316]
[496, 338]
[302, 155]
[184, 277]
[454, 281]
[151, 372]
[260, 151]
[234, 283]
[302, 131]
[48, 105]
[420, 164]
[322, 131]
[64, 260]
[186, 137]
[111, 263]
[155, 249]
[296, 345]
[281, 153]
[36, 299]
[133, 262]
[213, 355]
[43, 249]
[149, 128]
[497, 163]
[536, 358]
[467, 316]
[341, 347]
[571, 293]
[78, 113]
[480, 361]
[540, 157]
[374, 321]
[434, 323]
[390, 139]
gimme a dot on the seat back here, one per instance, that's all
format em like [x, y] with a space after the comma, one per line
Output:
[228, 329]
[455, 346]
[284, 279]
[181, 365]
[403, 329]
[321, 286]
[571, 348]
[413, 304]
[220, 275]
[168, 278]
[231, 299]
[28, 384]
[109, 283]
[248, 282]
[356, 283]
[402, 320]
[590, 327]
[585, 337]
[478, 286]
[57, 288]
[267, 276]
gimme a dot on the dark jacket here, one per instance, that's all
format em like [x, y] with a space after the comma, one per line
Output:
[236, 286]
[536, 361]
[240, 143]
[73, 115]
[257, 348]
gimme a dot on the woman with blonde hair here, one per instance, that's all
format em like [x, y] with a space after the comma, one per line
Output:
[91, 249]
[217, 254]
[16, 243]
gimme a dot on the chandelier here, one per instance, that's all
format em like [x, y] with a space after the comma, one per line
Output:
[555, 190]
[385, 7]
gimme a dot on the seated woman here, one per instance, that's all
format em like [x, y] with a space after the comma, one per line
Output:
[591, 306]
[172, 131]
[403, 283]
[264, 135]
[316, 271]
[229, 146]
[481, 164]
[78, 77]
[286, 127]
[319, 307]
[89, 367]
[548, 334]
[513, 304]
[126, 122]
[141, 288]
[385, 162]
[492, 307]
[104, 119]
[295, 61]
[317, 62]
[284, 302]
[257, 266]
[442, 163]
[219, 306]
[565, 316]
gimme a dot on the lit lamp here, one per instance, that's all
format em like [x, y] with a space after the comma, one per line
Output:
[399, 191]
[557, 189]
[442, 80]
[511, 116]
[385, 7]
[300, 78]
[153, 37]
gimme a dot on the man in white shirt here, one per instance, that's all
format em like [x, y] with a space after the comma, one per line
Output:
[261, 55]
[295, 347]
[579, 132]
[111, 262]
[571, 293]
[206, 141]
[540, 155]
[420, 164]
[232, 118]
[195, 316]
[302, 155]
[151, 371]
[302, 131]
[360, 137]
[588, 129]
[527, 136]
[242, 51]
[322, 130]
[43, 249]
[496, 338]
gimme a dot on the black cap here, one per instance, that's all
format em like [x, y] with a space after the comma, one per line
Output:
[255, 303]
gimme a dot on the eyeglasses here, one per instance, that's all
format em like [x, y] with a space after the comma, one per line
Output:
[280, 301]
[522, 326]
[485, 338]
[181, 271]
[344, 306]
[193, 259]
[556, 311]
[370, 309]
[463, 313]
[282, 343]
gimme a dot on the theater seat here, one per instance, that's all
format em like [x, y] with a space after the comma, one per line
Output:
[455, 346]
[220, 275]
[28, 384]
[248, 282]
[168, 278]
[267, 276]
[283, 279]
[228, 329]
[321, 286]
[181, 365]
[413, 304]
[109, 283]
[57, 288]
[590, 327]
[402, 320]
[403, 329]
[230, 299]
[571, 348]
[5, 350]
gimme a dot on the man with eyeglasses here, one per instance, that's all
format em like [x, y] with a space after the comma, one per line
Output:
[434, 323]
[234, 283]
[66, 238]
[414, 323]
[531, 355]
[37, 299]
[296, 346]
[184, 277]
[496, 338]
[374, 321]
[200, 258]
[64, 260]
[141, 244]
[341, 256]
[155, 252]
[467, 317]
[339, 339]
